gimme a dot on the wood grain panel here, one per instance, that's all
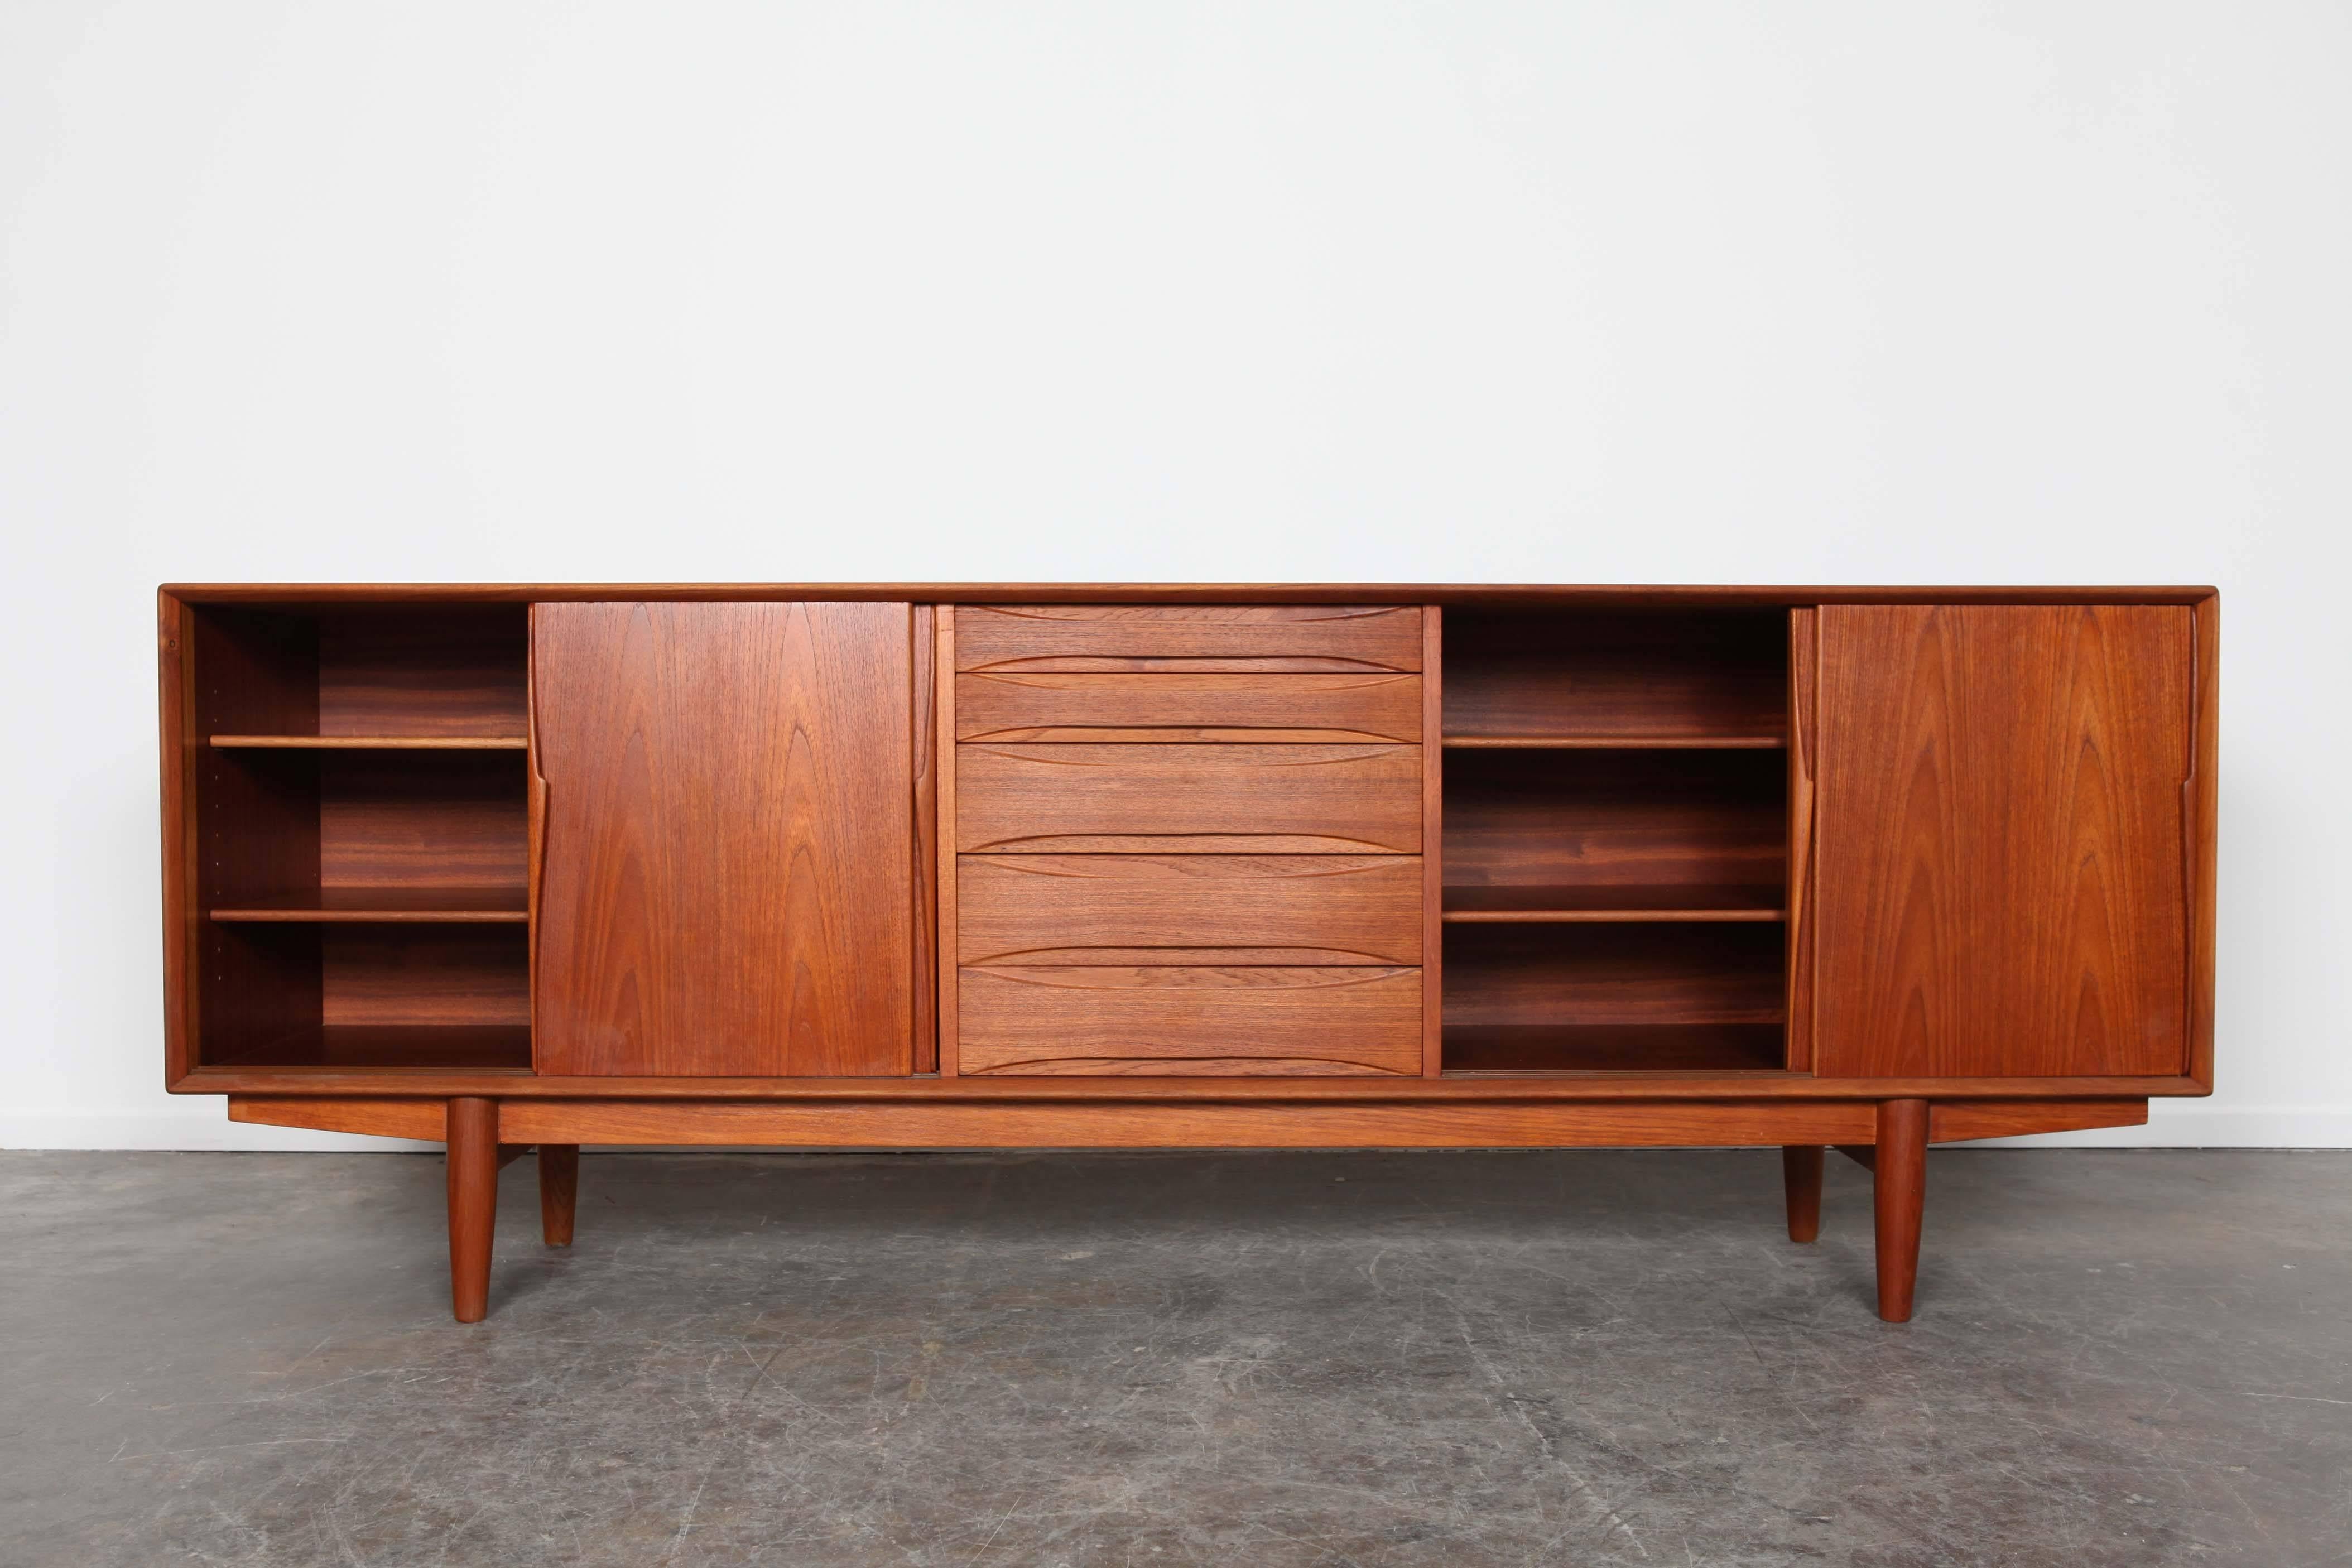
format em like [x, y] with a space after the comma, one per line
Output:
[871, 1124]
[1126, 910]
[407, 819]
[419, 976]
[1243, 799]
[426, 1118]
[728, 838]
[422, 671]
[1184, 1020]
[1186, 706]
[1645, 675]
[1535, 975]
[1629, 819]
[1202, 637]
[2011, 1119]
[2000, 885]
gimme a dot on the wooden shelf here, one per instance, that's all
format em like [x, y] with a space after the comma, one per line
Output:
[1555, 1050]
[373, 742]
[437, 1048]
[1616, 743]
[455, 906]
[1557, 904]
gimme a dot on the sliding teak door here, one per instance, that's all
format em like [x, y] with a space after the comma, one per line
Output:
[2003, 853]
[726, 882]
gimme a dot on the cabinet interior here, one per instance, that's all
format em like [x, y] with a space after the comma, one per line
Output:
[450, 672]
[361, 835]
[1615, 841]
[1710, 679]
[1614, 806]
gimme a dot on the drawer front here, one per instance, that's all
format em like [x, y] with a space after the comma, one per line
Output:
[1071, 639]
[1155, 1021]
[1193, 909]
[1187, 706]
[1241, 799]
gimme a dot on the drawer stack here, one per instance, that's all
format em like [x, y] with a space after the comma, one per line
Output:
[1187, 839]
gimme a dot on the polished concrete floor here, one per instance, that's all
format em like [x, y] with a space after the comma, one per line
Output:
[1470, 1359]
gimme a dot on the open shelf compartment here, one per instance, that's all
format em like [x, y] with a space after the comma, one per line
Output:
[1610, 834]
[391, 995]
[1544, 999]
[1615, 864]
[1567, 679]
[347, 834]
[361, 832]
[449, 676]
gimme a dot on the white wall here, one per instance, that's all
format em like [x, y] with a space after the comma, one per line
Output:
[1646, 291]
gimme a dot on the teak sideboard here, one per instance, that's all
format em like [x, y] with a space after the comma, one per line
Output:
[1053, 866]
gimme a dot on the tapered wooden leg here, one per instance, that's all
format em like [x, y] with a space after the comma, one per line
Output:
[1899, 1181]
[558, 1191]
[1800, 1175]
[473, 1204]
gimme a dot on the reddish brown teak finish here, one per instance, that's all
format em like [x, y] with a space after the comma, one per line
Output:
[2003, 844]
[728, 863]
[1241, 866]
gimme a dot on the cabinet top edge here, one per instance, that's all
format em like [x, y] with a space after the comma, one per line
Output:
[1468, 595]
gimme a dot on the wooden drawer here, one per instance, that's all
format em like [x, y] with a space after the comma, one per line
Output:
[1243, 799]
[1284, 1021]
[1197, 637]
[1187, 706]
[1189, 908]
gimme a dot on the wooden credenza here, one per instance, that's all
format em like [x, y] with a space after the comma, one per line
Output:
[1079, 867]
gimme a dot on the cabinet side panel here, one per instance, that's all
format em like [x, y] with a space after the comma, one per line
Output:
[2001, 887]
[729, 849]
[2203, 808]
[176, 737]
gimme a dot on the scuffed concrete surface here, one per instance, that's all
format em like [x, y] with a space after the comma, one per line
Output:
[1577, 1358]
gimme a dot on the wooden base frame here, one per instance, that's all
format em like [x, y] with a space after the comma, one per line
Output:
[1889, 1136]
